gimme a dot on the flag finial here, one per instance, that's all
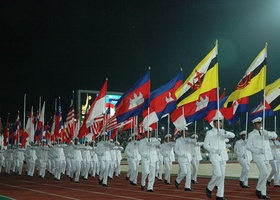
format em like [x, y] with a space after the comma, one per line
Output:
[181, 69]
[217, 42]
[149, 68]
[106, 79]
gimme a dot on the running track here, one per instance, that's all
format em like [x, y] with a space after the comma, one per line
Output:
[25, 188]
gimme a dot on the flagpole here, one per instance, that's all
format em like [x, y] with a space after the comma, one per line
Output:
[39, 105]
[24, 108]
[275, 123]
[264, 109]
[168, 123]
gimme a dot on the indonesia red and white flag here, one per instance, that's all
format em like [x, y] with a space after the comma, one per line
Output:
[30, 126]
[98, 106]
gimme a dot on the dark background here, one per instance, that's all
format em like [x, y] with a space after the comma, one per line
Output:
[49, 48]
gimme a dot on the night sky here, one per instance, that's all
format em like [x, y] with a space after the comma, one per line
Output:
[49, 48]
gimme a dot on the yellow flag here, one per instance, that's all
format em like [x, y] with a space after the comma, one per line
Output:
[253, 81]
[203, 78]
[272, 95]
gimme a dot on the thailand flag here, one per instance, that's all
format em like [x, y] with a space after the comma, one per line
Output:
[135, 100]
[257, 111]
[162, 101]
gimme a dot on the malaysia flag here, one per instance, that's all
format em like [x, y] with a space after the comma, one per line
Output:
[135, 100]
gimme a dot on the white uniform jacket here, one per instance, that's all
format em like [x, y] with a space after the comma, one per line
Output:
[258, 144]
[167, 151]
[183, 149]
[148, 149]
[215, 144]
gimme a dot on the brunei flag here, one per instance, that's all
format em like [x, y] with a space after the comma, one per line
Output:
[253, 81]
[202, 79]
[272, 95]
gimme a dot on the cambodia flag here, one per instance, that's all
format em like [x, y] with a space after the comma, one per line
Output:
[200, 108]
[135, 100]
[233, 112]
[257, 111]
[162, 101]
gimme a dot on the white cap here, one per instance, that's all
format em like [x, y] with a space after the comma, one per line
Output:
[242, 133]
[43, 140]
[111, 140]
[104, 133]
[133, 134]
[129, 138]
[256, 120]
[168, 135]
[148, 129]
[194, 136]
[216, 118]
[76, 138]
[117, 143]
[159, 139]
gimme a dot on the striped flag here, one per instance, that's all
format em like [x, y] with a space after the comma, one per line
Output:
[253, 81]
[272, 95]
[69, 122]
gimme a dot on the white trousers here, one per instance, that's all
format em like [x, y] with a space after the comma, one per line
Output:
[148, 168]
[245, 170]
[218, 177]
[184, 172]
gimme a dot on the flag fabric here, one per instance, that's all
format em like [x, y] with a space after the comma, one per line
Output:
[178, 118]
[98, 106]
[232, 113]
[212, 113]
[58, 121]
[69, 122]
[272, 95]
[257, 111]
[112, 134]
[30, 126]
[53, 125]
[203, 78]
[253, 81]
[16, 131]
[23, 138]
[135, 100]
[162, 101]
[200, 108]
[40, 127]
[7, 132]
[96, 109]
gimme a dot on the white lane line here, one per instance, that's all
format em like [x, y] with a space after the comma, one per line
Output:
[6, 197]
[51, 194]
[86, 191]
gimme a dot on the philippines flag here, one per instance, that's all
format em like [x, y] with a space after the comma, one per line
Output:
[257, 111]
[58, 121]
[135, 100]
[40, 127]
[162, 101]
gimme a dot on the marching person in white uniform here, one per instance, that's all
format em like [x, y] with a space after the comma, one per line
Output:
[42, 156]
[258, 144]
[103, 151]
[167, 151]
[118, 151]
[86, 159]
[196, 157]
[183, 149]
[275, 163]
[215, 144]
[149, 157]
[133, 158]
[244, 157]
[30, 158]
[75, 155]
[159, 165]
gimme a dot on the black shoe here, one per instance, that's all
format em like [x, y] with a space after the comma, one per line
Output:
[216, 187]
[265, 197]
[177, 185]
[131, 182]
[134, 184]
[259, 194]
[194, 182]
[208, 193]
[159, 179]
[126, 178]
[241, 183]
[104, 185]
[150, 190]
[100, 182]
[188, 189]
[276, 185]
[246, 186]
[142, 187]
[110, 178]
[220, 198]
[71, 179]
[268, 183]
[77, 182]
